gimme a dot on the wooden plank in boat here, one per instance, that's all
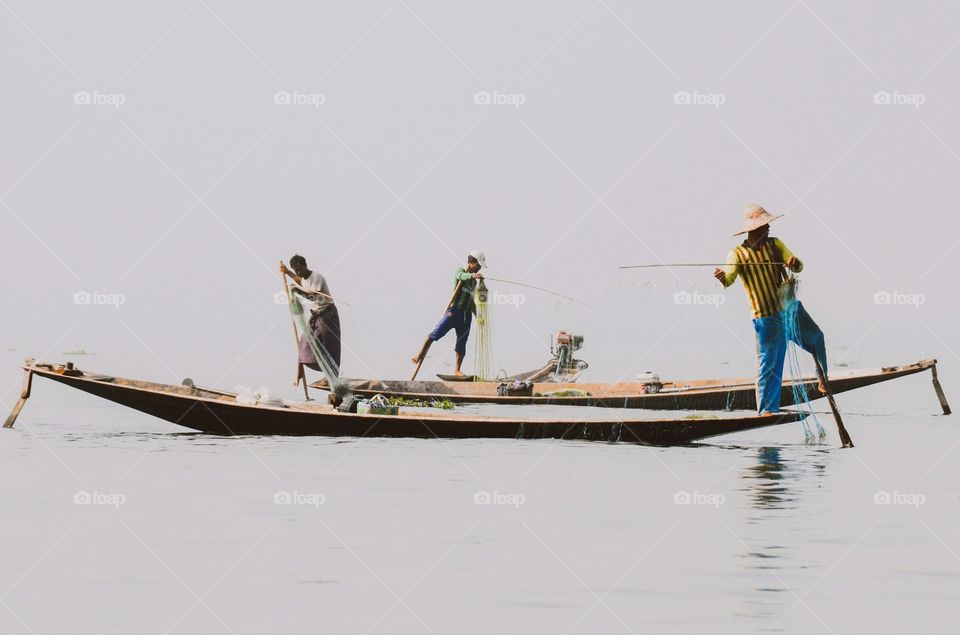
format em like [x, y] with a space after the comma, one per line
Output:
[456, 377]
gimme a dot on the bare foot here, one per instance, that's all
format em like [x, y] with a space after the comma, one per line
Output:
[822, 388]
[459, 373]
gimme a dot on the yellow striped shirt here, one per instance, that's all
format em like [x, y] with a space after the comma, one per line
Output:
[762, 283]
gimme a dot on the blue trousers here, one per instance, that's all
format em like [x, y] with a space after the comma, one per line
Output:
[772, 349]
[457, 320]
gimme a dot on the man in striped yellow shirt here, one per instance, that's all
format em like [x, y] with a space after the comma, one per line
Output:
[761, 262]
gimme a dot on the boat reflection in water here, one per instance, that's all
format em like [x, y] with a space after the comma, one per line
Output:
[776, 489]
[770, 479]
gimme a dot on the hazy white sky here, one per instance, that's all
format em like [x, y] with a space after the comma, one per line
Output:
[148, 155]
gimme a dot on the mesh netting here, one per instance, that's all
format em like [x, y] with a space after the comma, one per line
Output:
[324, 360]
[813, 434]
[483, 366]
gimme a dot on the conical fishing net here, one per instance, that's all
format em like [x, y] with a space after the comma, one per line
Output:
[324, 360]
[483, 365]
[815, 434]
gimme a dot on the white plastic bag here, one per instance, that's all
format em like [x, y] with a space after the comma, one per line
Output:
[246, 396]
[263, 396]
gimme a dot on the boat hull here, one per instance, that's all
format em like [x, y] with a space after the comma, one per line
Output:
[220, 414]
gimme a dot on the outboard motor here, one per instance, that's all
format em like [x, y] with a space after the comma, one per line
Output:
[568, 368]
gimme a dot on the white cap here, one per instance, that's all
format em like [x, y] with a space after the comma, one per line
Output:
[477, 255]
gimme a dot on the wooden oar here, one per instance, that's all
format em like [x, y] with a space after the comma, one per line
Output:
[24, 395]
[301, 378]
[844, 435]
[939, 390]
[423, 352]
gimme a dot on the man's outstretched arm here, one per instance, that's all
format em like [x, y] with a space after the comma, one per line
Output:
[728, 274]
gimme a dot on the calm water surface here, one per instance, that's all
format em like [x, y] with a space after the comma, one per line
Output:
[114, 522]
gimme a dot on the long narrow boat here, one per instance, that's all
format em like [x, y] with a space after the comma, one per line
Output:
[218, 412]
[699, 394]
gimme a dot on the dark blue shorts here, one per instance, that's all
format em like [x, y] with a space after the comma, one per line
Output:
[460, 322]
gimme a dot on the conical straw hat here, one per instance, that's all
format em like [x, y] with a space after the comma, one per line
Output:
[755, 216]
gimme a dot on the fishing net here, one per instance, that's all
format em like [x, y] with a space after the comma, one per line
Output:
[324, 360]
[813, 434]
[483, 366]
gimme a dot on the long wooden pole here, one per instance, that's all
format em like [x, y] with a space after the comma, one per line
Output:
[844, 435]
[296, 336]
[704, 264]
[24, 395]
[939, 390]
[453, 299]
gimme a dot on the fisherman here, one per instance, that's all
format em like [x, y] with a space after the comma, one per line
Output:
[324, 317]
[460, 312]
[762, 284]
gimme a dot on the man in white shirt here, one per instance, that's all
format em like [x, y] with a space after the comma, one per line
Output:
[312, 287]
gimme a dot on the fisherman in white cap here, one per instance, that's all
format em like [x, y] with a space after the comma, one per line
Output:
[761, 262]
[459, 313]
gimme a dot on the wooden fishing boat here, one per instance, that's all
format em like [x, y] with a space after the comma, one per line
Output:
[217, 412]
[699, 394]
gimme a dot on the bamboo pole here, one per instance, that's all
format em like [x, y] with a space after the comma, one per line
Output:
[24, 395]
[705, 264]
[423, 355]
[844, 435]
[939, 390]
